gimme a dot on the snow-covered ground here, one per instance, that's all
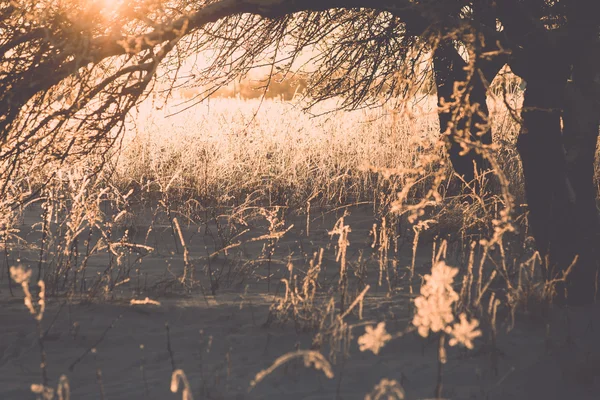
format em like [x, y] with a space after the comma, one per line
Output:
[222, 341]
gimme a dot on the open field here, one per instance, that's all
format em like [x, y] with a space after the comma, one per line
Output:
[216, 241]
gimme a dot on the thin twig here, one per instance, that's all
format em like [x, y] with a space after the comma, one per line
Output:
[100, 339]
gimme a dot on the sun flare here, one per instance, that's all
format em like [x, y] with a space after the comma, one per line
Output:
[110, 8]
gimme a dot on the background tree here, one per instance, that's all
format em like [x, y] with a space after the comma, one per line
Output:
[70, 71]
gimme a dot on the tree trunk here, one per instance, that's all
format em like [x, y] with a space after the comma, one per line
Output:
[558, 169]
[449, 68]
[581, 117]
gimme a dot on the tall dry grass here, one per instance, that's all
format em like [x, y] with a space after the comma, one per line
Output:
[213, 167]
[221, 151]
[228, 148]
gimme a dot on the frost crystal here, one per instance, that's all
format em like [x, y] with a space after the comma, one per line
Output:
[464, 332]
[434, 306]
[374, 338]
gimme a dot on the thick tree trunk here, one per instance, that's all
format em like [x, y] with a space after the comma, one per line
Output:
[449, 68]
[581, 116]
[558, 169]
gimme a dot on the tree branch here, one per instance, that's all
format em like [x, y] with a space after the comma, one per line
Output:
[109, 46]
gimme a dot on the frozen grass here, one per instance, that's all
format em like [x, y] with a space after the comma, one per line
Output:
[221, 151]
[266, 239]
[229, 148]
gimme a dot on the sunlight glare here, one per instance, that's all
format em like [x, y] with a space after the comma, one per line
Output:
[110, 7]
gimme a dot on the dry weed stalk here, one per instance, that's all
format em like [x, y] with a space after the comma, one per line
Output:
[381, 240]
[188, 267]
[147, 300]
[178, 379]
[334, 330]
[310, 358]
[276, 224]
[298, 302]
[435, 314]
[342, 231]
[22, 276]
[417, 228]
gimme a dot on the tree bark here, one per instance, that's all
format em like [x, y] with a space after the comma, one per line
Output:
[581, 117]
[558, 166]
[449, 68]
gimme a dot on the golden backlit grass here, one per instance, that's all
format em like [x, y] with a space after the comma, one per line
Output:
[220, 151]
[228, 148]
